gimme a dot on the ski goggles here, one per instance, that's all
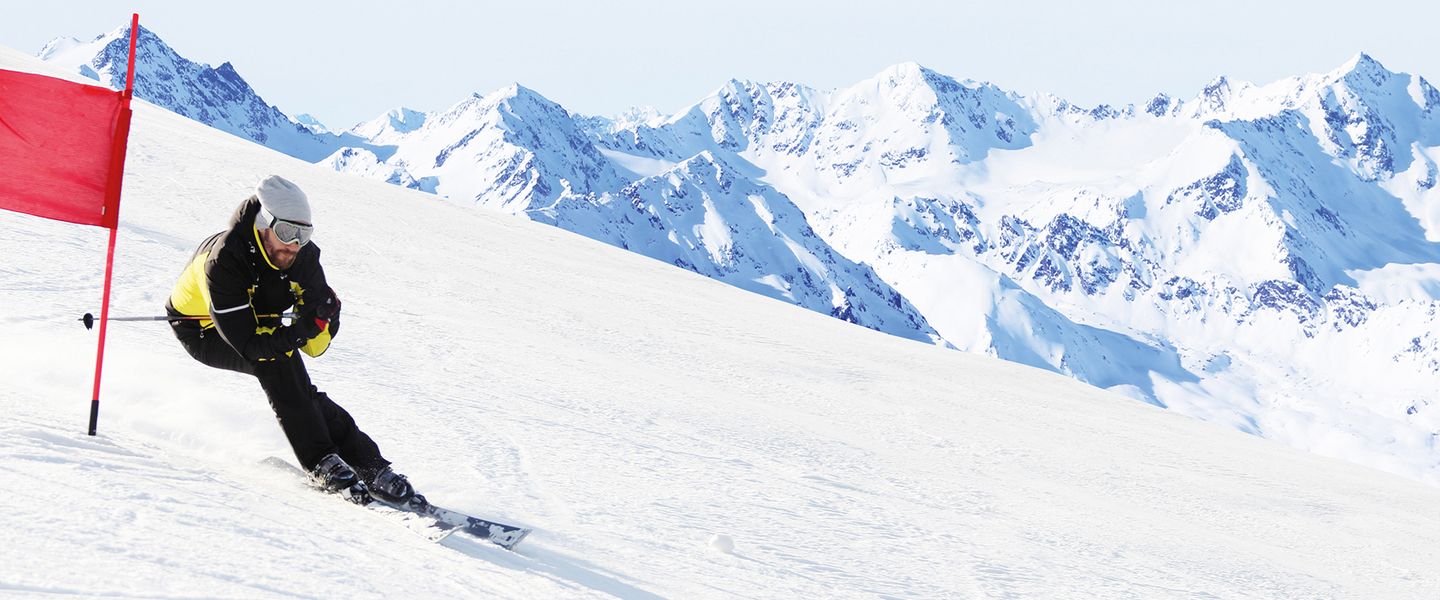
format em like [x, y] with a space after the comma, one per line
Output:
[288, 232]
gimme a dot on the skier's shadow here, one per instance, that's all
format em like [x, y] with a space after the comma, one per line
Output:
[544, 560]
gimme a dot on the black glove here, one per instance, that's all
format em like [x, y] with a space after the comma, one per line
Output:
[300, 331]
[294, 335]
[325, 306]
[307, 328]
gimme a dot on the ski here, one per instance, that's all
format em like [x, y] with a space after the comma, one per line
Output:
[442, 522]
[505, 536]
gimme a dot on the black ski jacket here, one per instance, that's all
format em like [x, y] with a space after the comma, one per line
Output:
[231, 281]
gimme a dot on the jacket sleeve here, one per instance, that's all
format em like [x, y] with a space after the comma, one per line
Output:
[313, 287]
[235, 319]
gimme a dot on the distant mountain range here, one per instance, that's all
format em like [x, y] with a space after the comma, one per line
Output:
[218, 97]
[1264, 257]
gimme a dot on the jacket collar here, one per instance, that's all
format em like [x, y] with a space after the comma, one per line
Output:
[261, 248]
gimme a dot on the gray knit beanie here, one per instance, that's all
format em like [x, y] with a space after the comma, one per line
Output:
[283, 199]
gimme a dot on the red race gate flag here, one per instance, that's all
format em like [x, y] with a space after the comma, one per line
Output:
[62, 151]
[56, 144]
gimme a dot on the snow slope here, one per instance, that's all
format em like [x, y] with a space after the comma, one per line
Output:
[631, 412]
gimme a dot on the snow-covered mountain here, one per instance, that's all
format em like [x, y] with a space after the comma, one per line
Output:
[365, 163]
[1254, 256]
[218, 97]
[390, 127]
[517, 151]
[311, 122]
[667, 435]
[513, 149]
[706, 215]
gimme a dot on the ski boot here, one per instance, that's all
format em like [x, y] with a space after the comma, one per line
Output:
[334, 475]
[391, 487]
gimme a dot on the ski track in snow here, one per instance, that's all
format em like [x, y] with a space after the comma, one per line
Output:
[630, 412]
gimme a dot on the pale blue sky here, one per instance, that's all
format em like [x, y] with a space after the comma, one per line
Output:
[347, 62]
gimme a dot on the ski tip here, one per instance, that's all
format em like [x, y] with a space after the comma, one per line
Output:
[275, 462]
[510, 540]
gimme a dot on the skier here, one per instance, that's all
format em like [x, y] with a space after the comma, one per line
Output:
[240, 280]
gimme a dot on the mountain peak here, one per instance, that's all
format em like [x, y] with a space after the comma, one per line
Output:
[911, 73]
[509, 97]
[703, 165]
[1159, 105]
[57, 46]
[311, 122]
[122, 36]
[913, 76]
[1361, 70]
[735, 85]
[516, 92]
[636, 116]
[737, 90]
[218, 96]
[1362, 62]
[105, 56]
[905, 70]
[705, 158]
[1219, 85]
[401, 114]
[907, 78]
[1217, 94]
[388, 127]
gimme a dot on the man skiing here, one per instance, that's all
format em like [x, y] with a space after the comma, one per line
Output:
[240, 281]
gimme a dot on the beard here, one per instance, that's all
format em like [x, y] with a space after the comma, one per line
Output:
[284, 257]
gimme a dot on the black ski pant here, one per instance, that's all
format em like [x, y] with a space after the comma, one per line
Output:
[314, 424]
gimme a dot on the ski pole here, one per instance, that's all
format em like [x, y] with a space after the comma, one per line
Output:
[89, 319]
